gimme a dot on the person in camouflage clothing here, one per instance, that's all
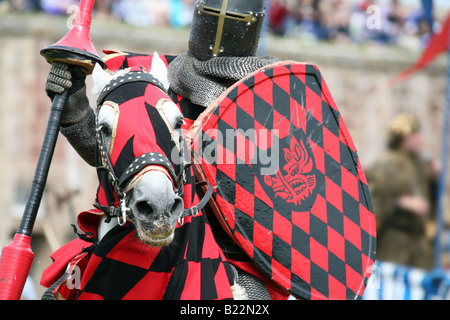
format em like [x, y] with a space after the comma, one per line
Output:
[402, 184]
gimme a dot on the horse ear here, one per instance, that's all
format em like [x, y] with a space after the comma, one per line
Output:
[159, 70]
[100, 78]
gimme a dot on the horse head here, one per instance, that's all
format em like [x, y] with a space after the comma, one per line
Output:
[140, 159]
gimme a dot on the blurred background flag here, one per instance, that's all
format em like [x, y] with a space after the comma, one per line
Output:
[437, 44]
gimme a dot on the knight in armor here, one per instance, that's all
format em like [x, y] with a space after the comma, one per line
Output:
[221, 50]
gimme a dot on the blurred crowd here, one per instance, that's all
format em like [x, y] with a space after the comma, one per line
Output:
[358, 21]
[342, 20]
[177, 13]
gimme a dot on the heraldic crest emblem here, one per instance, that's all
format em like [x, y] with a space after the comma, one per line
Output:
[297, 181]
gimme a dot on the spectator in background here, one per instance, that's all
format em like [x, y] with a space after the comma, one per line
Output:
[340, 21]
[103, 8]
[402, 184]
[142, 13]
[277, 16]
[134, 12]
[311, 21]
[358, 21]
[180, 14]
[332, 20]
[416, 25]
[57, 6]
[25, 5]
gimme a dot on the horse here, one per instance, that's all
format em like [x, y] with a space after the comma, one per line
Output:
[152, 185]
[148, 237]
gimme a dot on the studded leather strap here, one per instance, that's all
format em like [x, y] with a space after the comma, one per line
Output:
[152, 158]
[132, 76]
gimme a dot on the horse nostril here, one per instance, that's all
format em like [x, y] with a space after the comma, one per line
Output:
[177, 207]
[144, 208]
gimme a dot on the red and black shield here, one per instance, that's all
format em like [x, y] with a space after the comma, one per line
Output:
[289, 187]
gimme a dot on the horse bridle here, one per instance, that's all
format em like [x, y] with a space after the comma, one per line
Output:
[122, 212]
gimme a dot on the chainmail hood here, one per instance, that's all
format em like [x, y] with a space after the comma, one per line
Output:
[203, 81]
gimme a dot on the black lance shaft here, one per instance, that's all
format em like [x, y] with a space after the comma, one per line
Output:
[43, 165]
[17, 257]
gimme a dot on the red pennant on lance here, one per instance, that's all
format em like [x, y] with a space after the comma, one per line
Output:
[295, 197]
[438, 44]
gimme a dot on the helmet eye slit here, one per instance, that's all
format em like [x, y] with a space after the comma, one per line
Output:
[228, 14]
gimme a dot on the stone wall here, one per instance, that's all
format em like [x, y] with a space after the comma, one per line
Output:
[356, 78]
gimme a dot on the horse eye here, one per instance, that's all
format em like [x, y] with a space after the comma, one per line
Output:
[105, 131]
[179, 124]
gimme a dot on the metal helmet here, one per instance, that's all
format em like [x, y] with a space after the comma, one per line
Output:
[227, 28]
